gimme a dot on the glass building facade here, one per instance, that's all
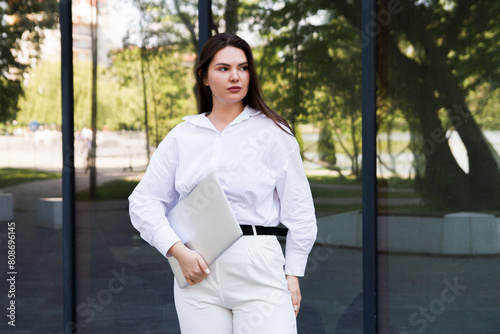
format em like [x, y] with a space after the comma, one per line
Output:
[396, 107]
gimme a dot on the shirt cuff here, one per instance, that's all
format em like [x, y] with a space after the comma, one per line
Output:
[165, 238]
[295, 264]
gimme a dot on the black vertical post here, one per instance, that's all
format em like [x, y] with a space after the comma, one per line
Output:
[369, 29]
[204, 22]
[68, 174]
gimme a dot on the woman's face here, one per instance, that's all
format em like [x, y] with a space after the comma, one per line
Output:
[228, 76]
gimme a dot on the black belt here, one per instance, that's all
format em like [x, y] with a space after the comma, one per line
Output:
[264, 230]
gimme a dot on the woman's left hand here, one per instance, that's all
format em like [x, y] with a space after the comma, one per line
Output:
[294, 288]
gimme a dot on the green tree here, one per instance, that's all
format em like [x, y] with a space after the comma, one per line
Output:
[119, 107]
[164, 17]
[286, 81]
[434, 76]
[326, 145]
[434, 56]
[311, 69]
[41, 99]
[159, 34]
[169, 84]
[21, 31]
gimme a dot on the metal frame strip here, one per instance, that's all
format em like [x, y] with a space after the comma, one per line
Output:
[369, 151]
[68, 171]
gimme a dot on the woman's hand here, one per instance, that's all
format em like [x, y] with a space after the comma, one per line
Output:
[294, 288]
[192, 264]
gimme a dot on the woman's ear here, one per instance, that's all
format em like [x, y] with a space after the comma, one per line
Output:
[203, 77]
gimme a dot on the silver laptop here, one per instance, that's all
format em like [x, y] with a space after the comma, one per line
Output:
[204, 222]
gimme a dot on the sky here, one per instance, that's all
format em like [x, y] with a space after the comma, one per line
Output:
[121, 15]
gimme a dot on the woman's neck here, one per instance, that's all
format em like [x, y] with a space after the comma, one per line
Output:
[221, 116]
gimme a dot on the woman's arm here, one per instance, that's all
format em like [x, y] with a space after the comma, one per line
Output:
[154, 196]
[296, 213]
[296, 210]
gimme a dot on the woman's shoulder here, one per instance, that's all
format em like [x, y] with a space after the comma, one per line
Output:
[180, 130]
[267, 121]
[193, 119]
[186, 124]
[278, 134]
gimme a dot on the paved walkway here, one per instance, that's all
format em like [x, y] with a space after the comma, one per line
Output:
[27, 194]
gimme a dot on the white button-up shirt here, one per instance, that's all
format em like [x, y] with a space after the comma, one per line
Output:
[260, 170]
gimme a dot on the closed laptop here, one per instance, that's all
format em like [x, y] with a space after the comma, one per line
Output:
[204, 222]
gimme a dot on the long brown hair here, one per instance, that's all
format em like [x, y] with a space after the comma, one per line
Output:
[253, 98]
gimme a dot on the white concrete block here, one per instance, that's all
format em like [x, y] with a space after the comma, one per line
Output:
[340, 229]
[6, 206]
[359, 230]
[383, 233]
[415, 234]
[470, 233]
[484, 239]
[498, 229]
[461, 233]
[456, 234]
[49, 212]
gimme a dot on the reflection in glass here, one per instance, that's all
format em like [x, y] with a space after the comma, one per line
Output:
[438, 169]
[309, 59]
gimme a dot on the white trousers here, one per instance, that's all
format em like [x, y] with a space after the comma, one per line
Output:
[246, 292]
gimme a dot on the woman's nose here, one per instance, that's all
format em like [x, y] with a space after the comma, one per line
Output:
[233, 76]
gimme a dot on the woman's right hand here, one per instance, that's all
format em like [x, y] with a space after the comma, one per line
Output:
[192, 264]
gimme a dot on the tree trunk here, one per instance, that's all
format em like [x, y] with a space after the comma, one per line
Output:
[231, 16]
[413, 86]
[480, 187]
[93, 150]
[155, 109]
[442, 178]
[145, 99]
[484, 175]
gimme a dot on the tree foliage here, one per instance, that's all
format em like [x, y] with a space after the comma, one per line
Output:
[436, 63]
[169, 84]
[310, 67]
[438, 70]
[326, 144]
[119, 108]
[175, 22]
[21, 31]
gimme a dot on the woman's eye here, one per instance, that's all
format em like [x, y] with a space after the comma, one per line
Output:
[244, 68]
[223, 69]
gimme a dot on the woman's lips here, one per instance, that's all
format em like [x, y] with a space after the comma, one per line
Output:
[234, 89]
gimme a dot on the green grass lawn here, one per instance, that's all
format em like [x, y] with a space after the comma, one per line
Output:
[121, 189]
[350, 180]
[392, 186]
[330, 179]
[340, 193]
[13, 176]
[330, 209]
[113, 190]
[334, 193]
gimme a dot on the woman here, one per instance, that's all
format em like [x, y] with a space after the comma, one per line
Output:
[256, 158]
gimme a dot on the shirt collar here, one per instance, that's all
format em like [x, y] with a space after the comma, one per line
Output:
[203, 121]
